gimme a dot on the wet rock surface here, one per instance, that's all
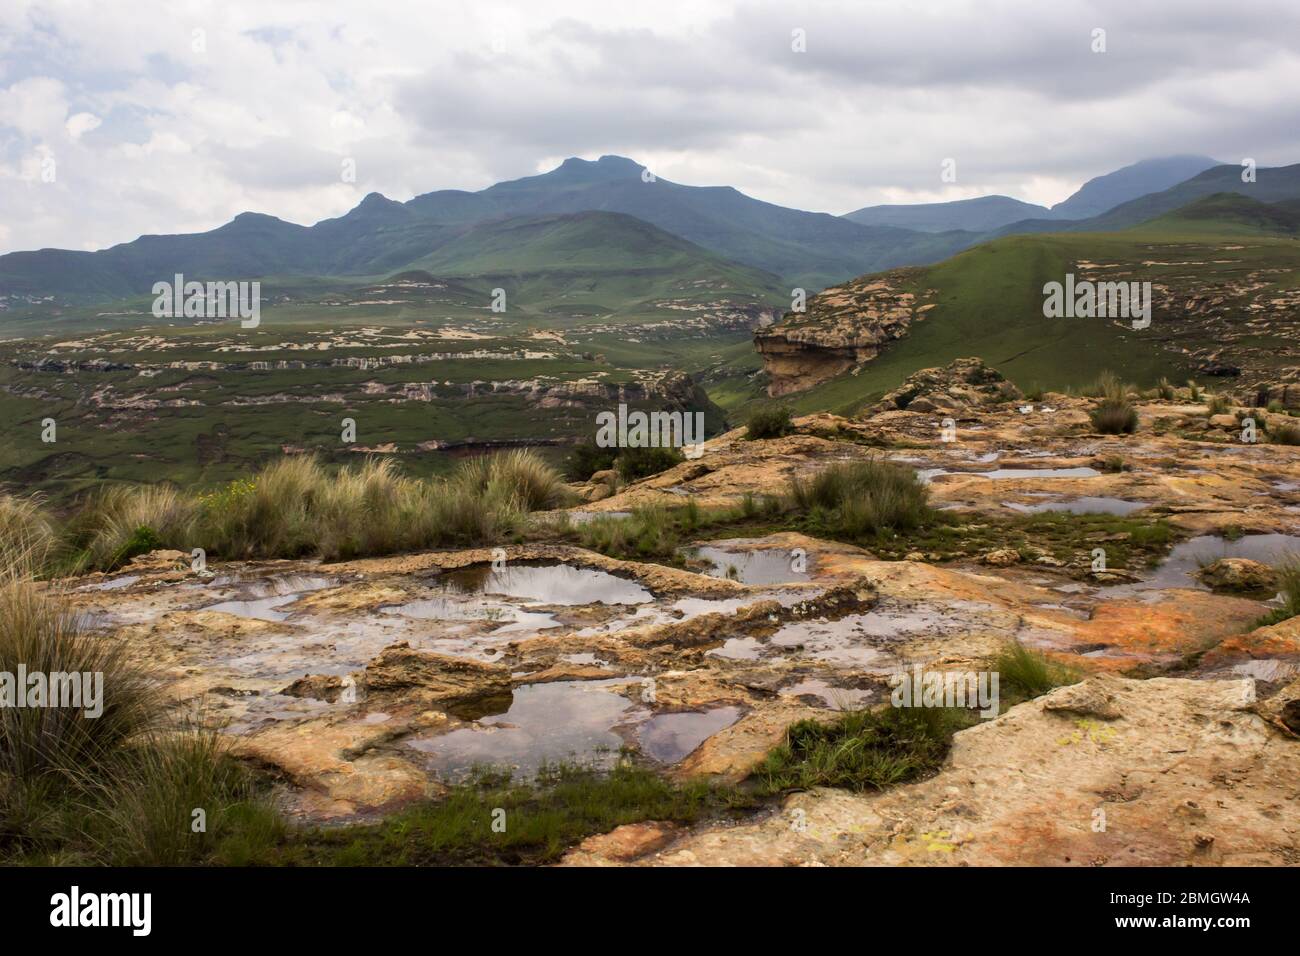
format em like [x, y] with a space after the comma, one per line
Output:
[367, 684]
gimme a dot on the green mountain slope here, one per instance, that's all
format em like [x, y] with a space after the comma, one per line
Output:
[1271, 185]
[380, 236]
[598, 263]
[1103, 193]
[1226, 289]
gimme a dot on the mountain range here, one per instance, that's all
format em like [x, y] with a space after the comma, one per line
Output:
[499, 230]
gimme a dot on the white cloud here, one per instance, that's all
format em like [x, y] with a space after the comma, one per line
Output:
[81, 123]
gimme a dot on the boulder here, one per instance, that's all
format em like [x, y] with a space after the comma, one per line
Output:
[442, 679]
[1238, 574]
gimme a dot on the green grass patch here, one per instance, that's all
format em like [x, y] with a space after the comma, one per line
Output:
[862, 749]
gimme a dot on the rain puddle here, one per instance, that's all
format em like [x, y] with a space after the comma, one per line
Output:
[511, 619]
[757, 566]
[861, 640]
[545, 723]
[668, 738]
[266, 596]
[112, 585]
[834, 698]
[1086, 505]
[1186, 558]
[548, 584]
[927, 474]
[738, 649]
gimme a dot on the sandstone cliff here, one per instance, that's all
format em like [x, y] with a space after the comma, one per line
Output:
[843, 327]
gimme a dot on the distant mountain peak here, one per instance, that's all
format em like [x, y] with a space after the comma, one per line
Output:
[607, 167]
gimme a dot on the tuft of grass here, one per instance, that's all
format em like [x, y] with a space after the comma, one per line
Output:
[1288, 579]
[862, 749]
[650, 532]
[1194, 390]
[1114, 414]
[1165, 390]
[859, 499]
[769, 421]
[1029, 673]
[296, 507]
[1217, 405]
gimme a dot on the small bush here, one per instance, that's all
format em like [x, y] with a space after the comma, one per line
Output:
[1217, 405]
[1114, 418]
[1165, 390]
[1194, 390]
[587, 458]
[634, 464]
[1284, 434]
[771, 421]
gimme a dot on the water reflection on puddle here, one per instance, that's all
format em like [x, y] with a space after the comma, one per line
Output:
[1086, 505]
[834, 698]
[668, 738]
[927, 474]
[546, 723]
[1178, 570]
[265, 597]
[755, 566]
[548, 584]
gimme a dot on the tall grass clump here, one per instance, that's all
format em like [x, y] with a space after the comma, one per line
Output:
[46, 752]
[862, 498]
[123, 521]
[1165, 390]
[1114, 414]
[520, 474]
[769, 421]
[28, 539]
[1217, 405]
[296, 506]
[141, 813]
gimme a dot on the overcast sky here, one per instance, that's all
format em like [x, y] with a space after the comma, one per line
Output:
[174, 117]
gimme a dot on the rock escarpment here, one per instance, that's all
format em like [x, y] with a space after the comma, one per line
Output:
[843, 327]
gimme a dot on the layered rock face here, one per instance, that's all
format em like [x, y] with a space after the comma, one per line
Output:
[843, 327]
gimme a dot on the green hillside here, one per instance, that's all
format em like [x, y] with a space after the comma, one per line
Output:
[1225, 277]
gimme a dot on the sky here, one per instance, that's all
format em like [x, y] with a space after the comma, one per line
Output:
[125, 118]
